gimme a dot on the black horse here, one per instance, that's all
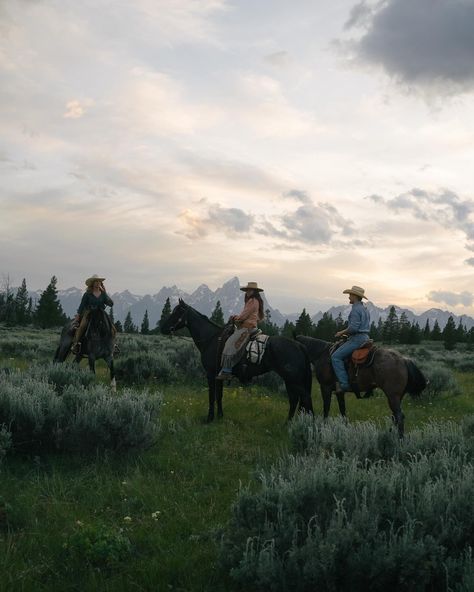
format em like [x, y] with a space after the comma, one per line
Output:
[390, 371]
[98, 342]
[286, 357]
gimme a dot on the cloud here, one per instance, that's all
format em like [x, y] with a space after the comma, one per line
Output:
[229, 221]
[452, 298]
[76, 109]
[307, 224]
[444, 207]
[425, 44]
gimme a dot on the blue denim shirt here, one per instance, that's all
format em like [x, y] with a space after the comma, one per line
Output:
[359, 319]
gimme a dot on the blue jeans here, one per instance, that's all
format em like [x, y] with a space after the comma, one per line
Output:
[343, 352]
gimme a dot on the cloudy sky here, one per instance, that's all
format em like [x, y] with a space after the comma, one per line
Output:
[308, 145]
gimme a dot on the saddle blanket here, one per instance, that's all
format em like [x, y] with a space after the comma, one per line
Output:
[255, 348]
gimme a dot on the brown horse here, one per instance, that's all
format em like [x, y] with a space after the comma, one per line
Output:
[390, 371]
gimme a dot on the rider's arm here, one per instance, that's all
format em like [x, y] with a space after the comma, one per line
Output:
[107, 299]
[250, 308]
[355, 320]
[82, 305]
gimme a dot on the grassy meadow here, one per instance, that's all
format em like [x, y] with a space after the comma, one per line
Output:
[153, 519]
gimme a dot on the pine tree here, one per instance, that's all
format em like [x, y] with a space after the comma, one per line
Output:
[427, 330]
[449, 334]
[267, 326]
[145, 328]
[218, 316]
[373, 332]
[304, 325]
[461, 333]
[49, 312]
[118, 326]
[390, 327]
[404, 328]
[436, 333]
[7, 303]
[165, 313]
[326, 327]
[288, 329]
[22, 308]
[415, 334]
[128, 326]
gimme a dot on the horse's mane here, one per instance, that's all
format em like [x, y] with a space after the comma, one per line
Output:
[203, 316]
[315, 347]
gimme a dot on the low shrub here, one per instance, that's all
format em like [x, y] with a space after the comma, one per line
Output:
[141, 368]
[97, 545]
[440, 380]
[42, 416]
[353, 516]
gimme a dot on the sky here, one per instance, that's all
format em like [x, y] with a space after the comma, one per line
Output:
[308, 145]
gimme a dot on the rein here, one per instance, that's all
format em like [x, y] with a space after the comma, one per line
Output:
[184, 319]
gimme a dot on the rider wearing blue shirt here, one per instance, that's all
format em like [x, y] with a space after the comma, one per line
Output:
[357, 333]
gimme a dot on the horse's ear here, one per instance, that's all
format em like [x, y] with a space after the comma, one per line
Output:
[180, 300]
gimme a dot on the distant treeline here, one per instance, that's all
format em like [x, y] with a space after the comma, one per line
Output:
[393, 330]
[17, 309]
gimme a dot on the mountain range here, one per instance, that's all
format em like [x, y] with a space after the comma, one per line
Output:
[231, 298]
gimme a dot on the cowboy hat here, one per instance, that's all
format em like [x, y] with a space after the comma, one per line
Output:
[251, 286]
[357, 290]
[94, 278]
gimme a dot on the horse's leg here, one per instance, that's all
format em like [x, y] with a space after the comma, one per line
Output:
[113, 383]
[326, 394]
[341, 401]
[91, 359]
[292, 397]
[219, 386]
[211, 382]
[395, 404]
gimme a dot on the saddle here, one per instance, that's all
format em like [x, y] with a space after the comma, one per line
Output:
[364, 355]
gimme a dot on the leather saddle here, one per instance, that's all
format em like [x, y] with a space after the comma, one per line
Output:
[364, 355]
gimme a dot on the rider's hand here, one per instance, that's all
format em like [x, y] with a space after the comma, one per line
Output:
[339, 334]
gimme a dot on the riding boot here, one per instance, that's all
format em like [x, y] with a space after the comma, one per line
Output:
[76, 348]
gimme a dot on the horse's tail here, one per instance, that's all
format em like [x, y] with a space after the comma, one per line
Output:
[416, 380]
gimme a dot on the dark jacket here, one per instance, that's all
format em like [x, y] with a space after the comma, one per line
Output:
[90, 302]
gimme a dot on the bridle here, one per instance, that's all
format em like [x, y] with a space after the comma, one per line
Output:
[183, 318]
[181, 322]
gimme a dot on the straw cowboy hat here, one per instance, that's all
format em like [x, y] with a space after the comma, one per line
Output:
[251, 286]
[357, 290]
[94, 278]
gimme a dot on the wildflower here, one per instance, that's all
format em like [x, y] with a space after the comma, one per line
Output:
[155, 515]
[127, 519]
[79, 523]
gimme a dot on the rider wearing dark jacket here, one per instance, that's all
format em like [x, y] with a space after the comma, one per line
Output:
[95, 297]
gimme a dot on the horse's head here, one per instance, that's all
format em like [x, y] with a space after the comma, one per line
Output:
[177, 319]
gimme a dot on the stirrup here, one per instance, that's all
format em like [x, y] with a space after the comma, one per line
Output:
[116, 350]
[76, 348]
[224, 375]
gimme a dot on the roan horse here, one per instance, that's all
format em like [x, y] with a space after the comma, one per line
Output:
[390, 371]
[97, 343]
[286, 357]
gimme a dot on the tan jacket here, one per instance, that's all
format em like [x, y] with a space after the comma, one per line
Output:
[248, 318]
